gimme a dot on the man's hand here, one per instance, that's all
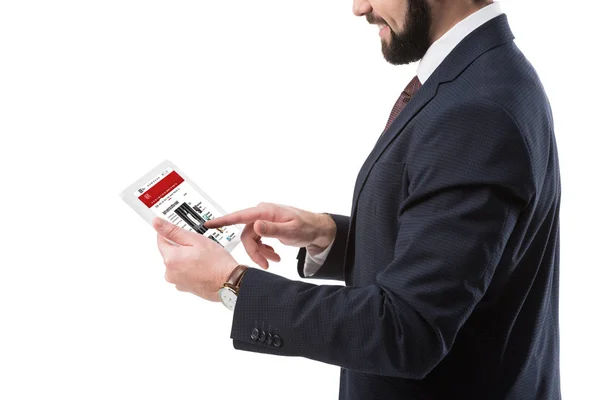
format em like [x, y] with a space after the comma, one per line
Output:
[292, 226]
[198, 265]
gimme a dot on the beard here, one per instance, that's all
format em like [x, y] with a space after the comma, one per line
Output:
[411, 44]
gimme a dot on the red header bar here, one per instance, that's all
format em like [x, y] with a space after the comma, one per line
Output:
[161, 189]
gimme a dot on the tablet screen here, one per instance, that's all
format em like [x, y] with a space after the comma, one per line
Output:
[169, 196]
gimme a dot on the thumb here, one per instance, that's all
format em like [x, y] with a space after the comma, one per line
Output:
[173, 232]
[273, 229]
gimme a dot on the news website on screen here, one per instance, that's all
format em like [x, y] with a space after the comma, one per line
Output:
[169, 196]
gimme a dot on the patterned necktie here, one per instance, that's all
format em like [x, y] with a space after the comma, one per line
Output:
[412, 88]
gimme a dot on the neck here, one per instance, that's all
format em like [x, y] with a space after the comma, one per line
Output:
[449, 13]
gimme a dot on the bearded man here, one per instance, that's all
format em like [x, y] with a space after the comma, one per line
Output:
[450, 253]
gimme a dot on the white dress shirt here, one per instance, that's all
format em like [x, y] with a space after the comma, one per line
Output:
[432, 59]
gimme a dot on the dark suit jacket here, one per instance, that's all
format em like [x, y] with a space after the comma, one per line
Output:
[450, 256]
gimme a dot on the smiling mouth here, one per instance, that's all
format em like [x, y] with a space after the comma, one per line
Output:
[384, 29]
[380, 24]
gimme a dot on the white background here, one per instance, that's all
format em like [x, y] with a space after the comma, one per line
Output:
[257, 101]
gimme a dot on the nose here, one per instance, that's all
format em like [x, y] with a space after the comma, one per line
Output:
[361, 7]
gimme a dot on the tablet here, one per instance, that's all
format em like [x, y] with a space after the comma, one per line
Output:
[166, 192]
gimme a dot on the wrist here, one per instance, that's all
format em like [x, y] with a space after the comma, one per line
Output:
[227, 271]
[230, 290]
[326, 231]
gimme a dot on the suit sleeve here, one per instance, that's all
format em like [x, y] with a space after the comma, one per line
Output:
[470, 176]
[333, 267]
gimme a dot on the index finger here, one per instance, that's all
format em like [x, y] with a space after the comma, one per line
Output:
[247, 216]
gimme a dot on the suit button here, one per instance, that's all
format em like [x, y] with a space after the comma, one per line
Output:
[269, 339]
[277, 341]
[254, 335]
[263, 336]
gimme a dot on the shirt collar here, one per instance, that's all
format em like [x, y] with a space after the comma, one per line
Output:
[440, 49]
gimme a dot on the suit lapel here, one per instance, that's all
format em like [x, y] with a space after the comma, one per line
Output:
[412, 108]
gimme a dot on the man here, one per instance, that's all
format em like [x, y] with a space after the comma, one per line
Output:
[450, 254]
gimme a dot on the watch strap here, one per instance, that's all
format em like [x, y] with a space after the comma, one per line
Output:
[236, 276]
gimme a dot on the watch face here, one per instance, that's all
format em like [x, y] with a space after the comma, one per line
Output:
[228, 297]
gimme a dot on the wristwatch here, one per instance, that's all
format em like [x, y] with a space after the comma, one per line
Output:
[229, 292]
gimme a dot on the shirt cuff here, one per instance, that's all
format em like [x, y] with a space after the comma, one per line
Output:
[313, 263]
